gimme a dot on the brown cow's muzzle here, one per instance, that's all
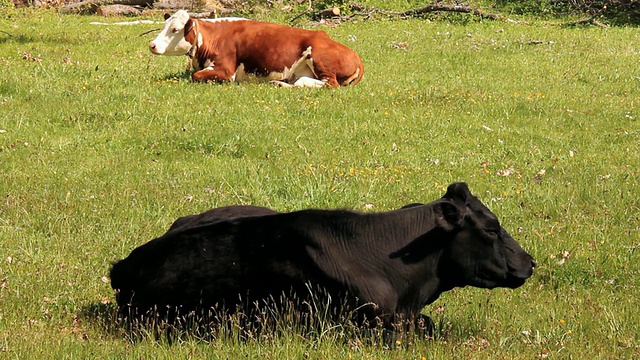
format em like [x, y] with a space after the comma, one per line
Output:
[153, 48]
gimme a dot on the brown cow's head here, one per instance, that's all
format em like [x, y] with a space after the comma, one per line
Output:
[481, 252]
[171, 40]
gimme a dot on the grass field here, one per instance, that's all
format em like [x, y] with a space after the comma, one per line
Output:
[103, 145]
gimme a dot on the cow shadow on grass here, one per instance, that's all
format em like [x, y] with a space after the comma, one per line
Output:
[108, 320]
[176, 76]
[206, 327]
[169, 325]
[103, 317]
[267, 325]
[20, 38]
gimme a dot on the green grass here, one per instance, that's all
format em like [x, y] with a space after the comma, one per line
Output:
[103, 145]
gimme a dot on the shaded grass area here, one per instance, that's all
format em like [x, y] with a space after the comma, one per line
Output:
[102, 146]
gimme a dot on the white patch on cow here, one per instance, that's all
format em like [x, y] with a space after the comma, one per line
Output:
[301, 74]
[208, 64]
[171, 39]
[307, 82]
[240, 75]
[303, 82]
[200, 41]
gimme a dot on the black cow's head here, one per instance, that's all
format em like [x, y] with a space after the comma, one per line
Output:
[479, 251]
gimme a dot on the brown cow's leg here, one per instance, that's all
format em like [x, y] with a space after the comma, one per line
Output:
[216, 74]
[330, 81]
[353, 79]
[329, 77]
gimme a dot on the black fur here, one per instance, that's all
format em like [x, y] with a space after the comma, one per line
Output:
[384, 266]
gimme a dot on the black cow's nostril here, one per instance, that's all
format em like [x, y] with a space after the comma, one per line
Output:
[533, 263]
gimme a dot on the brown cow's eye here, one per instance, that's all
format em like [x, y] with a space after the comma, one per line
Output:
[175, 30]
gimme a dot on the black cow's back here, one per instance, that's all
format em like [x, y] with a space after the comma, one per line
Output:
[221, 263]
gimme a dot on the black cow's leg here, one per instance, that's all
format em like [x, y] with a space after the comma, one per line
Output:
[402, 326]
[424, 326]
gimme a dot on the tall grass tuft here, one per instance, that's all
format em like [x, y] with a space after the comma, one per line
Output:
[316, 318]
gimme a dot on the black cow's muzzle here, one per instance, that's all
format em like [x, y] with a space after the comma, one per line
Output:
[519, 273]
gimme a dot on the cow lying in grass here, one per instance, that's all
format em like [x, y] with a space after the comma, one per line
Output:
[227, 49]
[385, 266]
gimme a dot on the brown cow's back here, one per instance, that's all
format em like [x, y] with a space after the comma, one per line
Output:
[264, 48]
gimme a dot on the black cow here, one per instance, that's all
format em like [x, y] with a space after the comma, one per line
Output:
[386, 265]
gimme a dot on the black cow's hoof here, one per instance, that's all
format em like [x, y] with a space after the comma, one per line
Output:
[421, 328]
[424, 326]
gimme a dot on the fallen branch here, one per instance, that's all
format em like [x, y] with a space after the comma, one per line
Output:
[134, 22]
[203, 15]
[309, 8]
[118, 10]
[446, 7]
[322, 14]
[589, 21]
[299, 15]
[150, 31]
[328, 13]
[368, 12]
[91, 6]
[521, 22]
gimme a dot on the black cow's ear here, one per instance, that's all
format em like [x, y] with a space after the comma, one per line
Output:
[166, 16]
[458, 191]
[450, 212]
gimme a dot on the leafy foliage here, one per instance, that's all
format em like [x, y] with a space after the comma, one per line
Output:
[617, 11]
[620, 11]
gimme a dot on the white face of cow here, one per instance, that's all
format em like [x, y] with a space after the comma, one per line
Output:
[171, 39]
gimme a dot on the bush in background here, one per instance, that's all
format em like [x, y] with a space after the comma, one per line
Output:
[619, 12]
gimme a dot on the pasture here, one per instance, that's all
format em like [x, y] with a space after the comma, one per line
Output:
[103, 146]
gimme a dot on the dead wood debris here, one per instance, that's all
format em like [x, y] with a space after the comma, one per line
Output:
[446, 7]
[331, 16]
[365, 12]
[587, 21]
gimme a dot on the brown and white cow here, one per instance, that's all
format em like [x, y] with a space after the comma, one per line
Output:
[226, 49]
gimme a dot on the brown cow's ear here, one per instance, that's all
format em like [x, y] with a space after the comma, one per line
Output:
[188, 26]
[166, 16]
